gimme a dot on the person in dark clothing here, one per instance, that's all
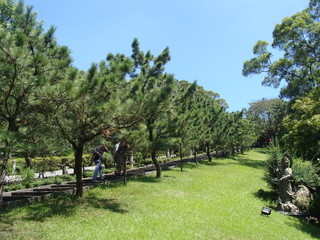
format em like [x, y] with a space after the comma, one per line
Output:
[120, 153]
[97, 159]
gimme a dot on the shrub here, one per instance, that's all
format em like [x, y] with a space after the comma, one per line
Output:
[67, 177]
[273, 161]
[304, 172]
[14, 187]
[87, 174]
[29, 184]
[138, 157]
[47, 181]
[27, 174]
[58, 180]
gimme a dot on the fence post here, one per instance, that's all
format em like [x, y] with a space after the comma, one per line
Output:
[14, 165]
[64, 166]
[131, 158]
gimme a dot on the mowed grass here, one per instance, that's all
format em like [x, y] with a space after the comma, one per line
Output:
[216, 200]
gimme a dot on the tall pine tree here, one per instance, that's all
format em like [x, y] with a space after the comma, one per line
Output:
[153, 89]
[30, 59]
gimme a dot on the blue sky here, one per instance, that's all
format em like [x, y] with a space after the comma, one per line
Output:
[208, 39]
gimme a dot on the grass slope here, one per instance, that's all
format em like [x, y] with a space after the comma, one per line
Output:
[215, 200]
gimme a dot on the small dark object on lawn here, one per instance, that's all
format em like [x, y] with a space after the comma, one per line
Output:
[266, 211]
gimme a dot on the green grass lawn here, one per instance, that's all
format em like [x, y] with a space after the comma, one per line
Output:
[215, 200]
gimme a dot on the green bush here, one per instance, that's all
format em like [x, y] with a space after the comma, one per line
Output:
[50, 164]
[67, 177]
[304, 172]
[146, 161]
[138, 157]
[57, 180]
[274, 157]
[87, 174]
[37, 184]
[27, 174]
[9, 169]
[47, 181]
[14, 186]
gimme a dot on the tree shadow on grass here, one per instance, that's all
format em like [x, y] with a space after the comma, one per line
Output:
[185, 166]
[61, 205]
[151, 178]
[146, 179]
[189, 165]
[261, 150]
[212, 163]
[65, 205]
[57, 205]
[237, 160]
[104, 203]
[259, 164]
[304, 226]
[267, 196]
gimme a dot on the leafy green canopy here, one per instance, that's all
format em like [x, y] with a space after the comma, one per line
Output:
[266, 116]
[298, 37]
[30, 59]
[152, 90]
[304, 127]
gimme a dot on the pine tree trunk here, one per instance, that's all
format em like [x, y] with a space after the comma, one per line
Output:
[153, 152]
[125, 170]
[4, 169]
[208, 151]
[195, 156]
[78, 152]
[2, 176]
[156, 164]
[181, 164]
[13, 127]
[28, 162]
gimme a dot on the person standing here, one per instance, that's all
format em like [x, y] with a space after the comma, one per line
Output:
[120, 153]
[97, 159]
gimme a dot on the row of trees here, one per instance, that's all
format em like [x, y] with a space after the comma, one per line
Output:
[48, 107]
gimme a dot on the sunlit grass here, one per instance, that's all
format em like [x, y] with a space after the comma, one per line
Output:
[215, 200]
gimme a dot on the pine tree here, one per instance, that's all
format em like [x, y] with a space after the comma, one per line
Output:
[152, 90]
[85, 105]
[30, 59]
